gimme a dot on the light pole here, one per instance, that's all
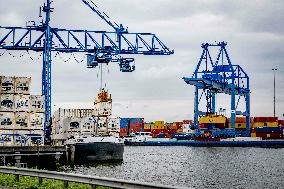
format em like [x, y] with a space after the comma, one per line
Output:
[274, 70]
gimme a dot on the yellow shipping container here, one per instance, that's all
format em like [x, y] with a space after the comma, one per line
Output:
[148, 126]
[265, 124]
[238, 125]
[212, 119]
[253, 134]
[159, 125]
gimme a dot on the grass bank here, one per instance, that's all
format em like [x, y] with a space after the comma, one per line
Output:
[26, 182]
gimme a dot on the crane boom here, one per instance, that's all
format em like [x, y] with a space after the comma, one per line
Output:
[65, 40]
[118, 28]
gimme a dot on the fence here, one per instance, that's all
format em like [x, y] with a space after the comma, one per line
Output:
[69, 177]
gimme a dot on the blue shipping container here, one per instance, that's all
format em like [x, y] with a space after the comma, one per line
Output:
[124, 123]
[136, 120]
[268, 130]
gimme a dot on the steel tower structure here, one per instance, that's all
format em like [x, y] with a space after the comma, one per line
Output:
[100, 46]
[219, 76]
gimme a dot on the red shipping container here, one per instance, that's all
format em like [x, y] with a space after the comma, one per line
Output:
[179, 125]
[123, 132]
[272, 119]
[281, 123]
[173, 126]
[270, 135]
[238, 120]
[157, 131]
[135, 127]
[168, 125]
[220, 125]
[187, 121]
[202, 126]
[171, 131]
[276, 135]
[265, 119]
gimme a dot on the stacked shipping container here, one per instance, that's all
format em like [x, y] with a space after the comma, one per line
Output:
[114, 126]
[21, 114]
[266, 127]
[240, 123]
[131, 125]
[66, 123]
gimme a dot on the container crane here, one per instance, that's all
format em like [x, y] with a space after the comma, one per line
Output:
[219, 76]
[100, 46]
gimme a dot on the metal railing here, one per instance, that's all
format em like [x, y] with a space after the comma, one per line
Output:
[70, 177]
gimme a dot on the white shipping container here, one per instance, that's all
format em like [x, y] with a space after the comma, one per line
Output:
[22, 85]
[7, 84]
[86, 112]
[36, 120]
[74, 124]
[21, 120]
[22, 102]
[114, 124]
[37, 103]
[7, 138]
[22, 138]
[7, 120]
[7, 102]
[37, 137]
[61, 113]
[186, 128]
[88, 124]
[103, 109]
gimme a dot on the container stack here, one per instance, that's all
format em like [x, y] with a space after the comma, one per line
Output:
[266, 127]
[131, 125]
[240, 124]
[66, 123]
[124, 127]
[21, 114]
[265, 122]
[136, 125]
[159, 127]
[114, 126]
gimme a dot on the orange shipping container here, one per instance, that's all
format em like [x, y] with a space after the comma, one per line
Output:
[238, 120]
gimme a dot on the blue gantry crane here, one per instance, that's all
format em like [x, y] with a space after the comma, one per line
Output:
[219, 76]
[100, 46]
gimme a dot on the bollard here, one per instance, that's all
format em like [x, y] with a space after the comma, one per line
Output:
[57, 158]
[40, 180]
[66, 184]
[73, 153]
[17, 178]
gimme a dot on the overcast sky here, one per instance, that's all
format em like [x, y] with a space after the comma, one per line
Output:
[253, 29]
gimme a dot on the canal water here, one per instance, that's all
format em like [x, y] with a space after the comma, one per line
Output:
[197, 167]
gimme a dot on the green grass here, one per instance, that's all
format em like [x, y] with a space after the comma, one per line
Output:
[26, 182]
